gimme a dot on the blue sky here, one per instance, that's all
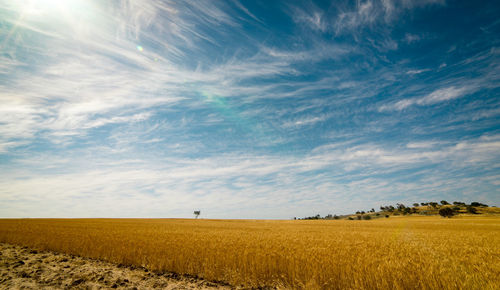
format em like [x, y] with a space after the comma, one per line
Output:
[246, 109]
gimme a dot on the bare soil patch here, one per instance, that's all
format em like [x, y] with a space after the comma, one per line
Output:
[24, 268]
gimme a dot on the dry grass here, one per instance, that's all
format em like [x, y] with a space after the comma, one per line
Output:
[399, 252]
[488, 210]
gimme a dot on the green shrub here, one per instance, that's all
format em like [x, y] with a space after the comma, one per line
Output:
[446, 212]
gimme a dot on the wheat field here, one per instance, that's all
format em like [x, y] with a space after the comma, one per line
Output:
[394, 253]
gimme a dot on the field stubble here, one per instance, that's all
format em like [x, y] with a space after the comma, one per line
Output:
[395, 253]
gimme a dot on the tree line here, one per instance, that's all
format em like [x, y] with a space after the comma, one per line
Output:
[444, 209]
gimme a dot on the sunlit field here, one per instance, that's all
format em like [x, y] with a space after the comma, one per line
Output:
[394, 253]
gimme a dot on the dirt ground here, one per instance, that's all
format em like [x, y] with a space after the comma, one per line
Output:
[24, 268]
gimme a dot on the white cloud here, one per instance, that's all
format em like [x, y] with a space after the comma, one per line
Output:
[364, 14]
[423, 144]
[6, 145]
[437, 96]
[416, 71]
[411, 38]
[311, 16]
[305, 121]
[349, 18]
[175, 186]
[441, 95]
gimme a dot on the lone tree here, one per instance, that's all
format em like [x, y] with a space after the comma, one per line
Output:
[444, 202]
[197, 213]
[446, 212]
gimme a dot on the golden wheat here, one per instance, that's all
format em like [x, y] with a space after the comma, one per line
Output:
[394, 253]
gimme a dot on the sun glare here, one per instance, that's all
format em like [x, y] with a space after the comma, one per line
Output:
[65, 8]
[77, 16]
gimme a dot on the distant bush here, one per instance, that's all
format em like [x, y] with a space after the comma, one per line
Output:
[377, 214]
[388, 208]
[471, 209]
[350, 218]
[358, 217]
[386, 216]
[446, 212]
[367, 217]
[475, 203]
[316, 217]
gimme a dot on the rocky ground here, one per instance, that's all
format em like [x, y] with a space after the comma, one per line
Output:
[24, 268]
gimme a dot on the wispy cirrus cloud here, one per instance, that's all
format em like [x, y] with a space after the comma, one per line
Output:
[346, 17]
[305, 121]
[437, 96]
[108, 75]
[416, 71]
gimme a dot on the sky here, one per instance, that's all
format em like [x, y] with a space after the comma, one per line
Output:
[246, 109]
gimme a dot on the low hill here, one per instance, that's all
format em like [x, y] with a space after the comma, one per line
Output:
[427, 209]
